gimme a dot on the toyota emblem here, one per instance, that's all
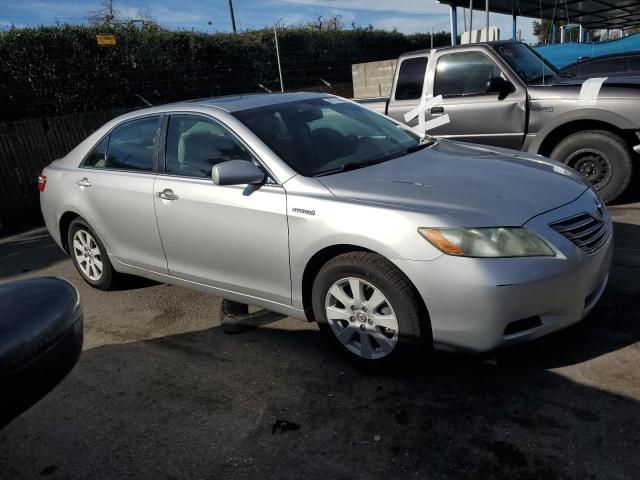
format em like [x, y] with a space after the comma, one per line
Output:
[599, 208]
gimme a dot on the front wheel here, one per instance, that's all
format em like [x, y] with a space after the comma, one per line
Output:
[370, 310]
[601, 156]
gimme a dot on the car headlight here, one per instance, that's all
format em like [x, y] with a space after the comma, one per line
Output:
[487, 242]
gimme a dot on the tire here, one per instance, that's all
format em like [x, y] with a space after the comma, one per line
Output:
[603, 157]
[94, 255]
[358, 332]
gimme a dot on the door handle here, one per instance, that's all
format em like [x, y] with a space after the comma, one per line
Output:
[437, 109]
[84, 182]
[167, 194]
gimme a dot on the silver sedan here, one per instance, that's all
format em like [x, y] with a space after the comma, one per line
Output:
[312, 206]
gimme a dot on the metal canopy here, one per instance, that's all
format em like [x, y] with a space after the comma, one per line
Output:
[591, 14]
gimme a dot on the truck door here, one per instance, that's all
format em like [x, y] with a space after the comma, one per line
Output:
[408, 86]
[475, 115]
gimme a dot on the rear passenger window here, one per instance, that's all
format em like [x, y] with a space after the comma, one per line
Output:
[131, 145]
[195, 145]
[411, 78]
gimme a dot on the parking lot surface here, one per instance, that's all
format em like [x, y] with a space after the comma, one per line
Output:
[161, 392]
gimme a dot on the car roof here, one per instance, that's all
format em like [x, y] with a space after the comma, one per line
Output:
[453, 47]
[236, 103]
[634, 53]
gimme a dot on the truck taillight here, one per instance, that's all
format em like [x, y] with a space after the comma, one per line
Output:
[42, 182]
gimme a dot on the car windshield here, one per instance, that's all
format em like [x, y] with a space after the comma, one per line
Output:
[321, 136]
[529, 66]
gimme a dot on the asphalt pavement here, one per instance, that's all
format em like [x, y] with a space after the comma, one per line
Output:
[161, 392]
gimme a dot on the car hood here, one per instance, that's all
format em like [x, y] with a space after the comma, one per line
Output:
[478, 186]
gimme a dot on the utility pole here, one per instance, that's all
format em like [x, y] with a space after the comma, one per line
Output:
[233, 17]
[470, 16]
[487, 12]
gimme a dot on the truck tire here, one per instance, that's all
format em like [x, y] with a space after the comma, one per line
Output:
[381, 323]
[601, 156]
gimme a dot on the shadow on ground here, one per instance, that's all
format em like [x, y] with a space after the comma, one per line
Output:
[202, 405]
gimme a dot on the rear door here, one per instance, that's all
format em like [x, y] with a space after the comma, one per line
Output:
[115, 192]
[234, 237]
[461, 76]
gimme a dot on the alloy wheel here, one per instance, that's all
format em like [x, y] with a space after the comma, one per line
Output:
[361, 318]
[87, 255]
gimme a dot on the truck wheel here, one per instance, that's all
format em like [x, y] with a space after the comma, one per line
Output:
[601, 156]
[370, 310]
[90, 257]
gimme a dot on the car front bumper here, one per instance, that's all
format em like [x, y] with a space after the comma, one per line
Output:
[479, 304]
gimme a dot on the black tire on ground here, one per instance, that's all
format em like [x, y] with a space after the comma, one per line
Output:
[414, 337]
[602, 155]
[109, 277]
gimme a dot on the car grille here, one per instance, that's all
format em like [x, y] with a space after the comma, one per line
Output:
[584, 231]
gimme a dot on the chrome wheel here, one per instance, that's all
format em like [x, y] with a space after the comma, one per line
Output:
[362, 318]
[87, 255]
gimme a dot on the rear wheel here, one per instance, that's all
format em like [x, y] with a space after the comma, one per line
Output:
[601, 156]
[89, 256]
[369, 309]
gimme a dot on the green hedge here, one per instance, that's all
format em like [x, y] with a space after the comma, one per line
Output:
[55, 70]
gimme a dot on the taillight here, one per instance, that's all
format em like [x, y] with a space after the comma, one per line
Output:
[42, 182]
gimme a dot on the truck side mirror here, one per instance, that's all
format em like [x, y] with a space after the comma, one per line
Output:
[500, 86]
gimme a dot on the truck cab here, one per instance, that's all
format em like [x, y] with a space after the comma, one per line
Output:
[504, 94]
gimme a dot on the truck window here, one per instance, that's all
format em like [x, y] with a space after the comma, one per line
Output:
[411, 78]
[464, 73]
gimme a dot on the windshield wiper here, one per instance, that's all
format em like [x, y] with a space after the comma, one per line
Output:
[345, 167]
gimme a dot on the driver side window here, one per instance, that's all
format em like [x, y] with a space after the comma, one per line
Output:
[464, 73]
[195, 144]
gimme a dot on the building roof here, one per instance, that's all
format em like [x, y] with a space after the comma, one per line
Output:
[591, 13]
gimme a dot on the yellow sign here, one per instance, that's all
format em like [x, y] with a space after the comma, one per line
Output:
[106, 39]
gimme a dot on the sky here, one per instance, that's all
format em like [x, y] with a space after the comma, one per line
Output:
[407, 16]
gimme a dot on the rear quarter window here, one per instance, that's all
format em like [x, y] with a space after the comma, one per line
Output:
[411, 78]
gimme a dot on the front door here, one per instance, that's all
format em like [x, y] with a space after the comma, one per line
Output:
[475, 115]
[233, 238]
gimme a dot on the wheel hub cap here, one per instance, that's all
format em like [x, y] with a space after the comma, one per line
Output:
[87, 255]
[361, 318]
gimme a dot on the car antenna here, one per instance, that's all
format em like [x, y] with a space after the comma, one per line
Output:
[147, 102]
[265, 88]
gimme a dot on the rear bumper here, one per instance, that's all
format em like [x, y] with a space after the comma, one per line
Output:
[473, 303]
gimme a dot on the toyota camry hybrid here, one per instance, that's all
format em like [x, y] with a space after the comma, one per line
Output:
[315, 207]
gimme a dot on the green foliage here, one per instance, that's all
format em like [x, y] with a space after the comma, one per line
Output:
[53, 70]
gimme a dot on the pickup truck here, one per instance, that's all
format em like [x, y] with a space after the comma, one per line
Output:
[505, 94]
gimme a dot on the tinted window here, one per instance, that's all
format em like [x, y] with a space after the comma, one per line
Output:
[98, 156]
[528, 64]
[608, 65]
[411, 78]
[633, 63]
[131, 145]
[195, 145]
[464, 73]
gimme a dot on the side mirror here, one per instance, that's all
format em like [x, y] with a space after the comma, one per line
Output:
[237, 172]
[500, 86]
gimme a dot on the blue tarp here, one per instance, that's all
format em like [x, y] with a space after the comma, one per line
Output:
[562, 54]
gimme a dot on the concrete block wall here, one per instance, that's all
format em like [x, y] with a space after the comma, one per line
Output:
[373, 79]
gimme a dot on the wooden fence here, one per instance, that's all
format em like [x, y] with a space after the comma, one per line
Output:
[26, 147]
